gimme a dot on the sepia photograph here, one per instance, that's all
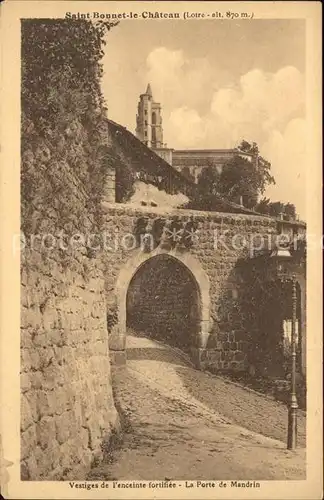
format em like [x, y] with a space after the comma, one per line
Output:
[162, 249]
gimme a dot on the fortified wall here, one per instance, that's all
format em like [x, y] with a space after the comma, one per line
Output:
[212, 247]
[67, 407]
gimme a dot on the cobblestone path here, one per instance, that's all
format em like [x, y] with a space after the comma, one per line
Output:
[182, 423]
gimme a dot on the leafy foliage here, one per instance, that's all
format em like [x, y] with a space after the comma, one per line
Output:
[125, 183]
[61, 69]
[62, 110]
[186, 172]
[265, 206]
[239, 177]
[263, 166]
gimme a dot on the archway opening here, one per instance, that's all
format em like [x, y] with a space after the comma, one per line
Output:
[163, 302]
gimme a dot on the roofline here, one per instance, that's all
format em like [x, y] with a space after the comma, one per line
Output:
[292, 222]
[148, 150]
[192, 184]
[233, 150]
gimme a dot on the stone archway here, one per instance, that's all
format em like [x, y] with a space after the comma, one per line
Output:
[117, 341]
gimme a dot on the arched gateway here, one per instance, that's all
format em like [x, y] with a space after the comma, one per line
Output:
[165, 293]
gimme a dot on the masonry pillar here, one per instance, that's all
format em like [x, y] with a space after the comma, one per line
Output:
[117, 346]
[109, 194]
[198, 352]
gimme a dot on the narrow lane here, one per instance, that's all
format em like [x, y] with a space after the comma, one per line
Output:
[182, 423]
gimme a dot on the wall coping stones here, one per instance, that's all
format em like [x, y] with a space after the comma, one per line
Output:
[128, 209]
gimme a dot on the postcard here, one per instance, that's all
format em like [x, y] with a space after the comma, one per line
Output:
[161, 297]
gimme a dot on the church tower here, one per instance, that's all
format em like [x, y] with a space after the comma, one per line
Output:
[149, 121]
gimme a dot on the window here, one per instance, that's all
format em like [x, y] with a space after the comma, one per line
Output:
[154, 118]
[145, 134]
[145, 122]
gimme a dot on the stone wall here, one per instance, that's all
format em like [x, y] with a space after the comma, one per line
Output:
[221, 258]
[67, 407]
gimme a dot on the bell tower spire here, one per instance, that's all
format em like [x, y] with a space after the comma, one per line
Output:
[149, 90]
[149, 121]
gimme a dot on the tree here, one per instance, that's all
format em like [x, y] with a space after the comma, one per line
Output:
[245, 176]
[290, 210]
[186, 172]
[242, 176]
[263, 165]
[208, 181]
[239, 178]
[276, 209]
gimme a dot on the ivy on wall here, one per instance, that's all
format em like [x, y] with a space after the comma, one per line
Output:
[62, 110]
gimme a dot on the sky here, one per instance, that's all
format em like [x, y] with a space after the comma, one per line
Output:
[218, 82]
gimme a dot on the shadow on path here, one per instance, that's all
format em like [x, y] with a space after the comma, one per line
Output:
[243, 407]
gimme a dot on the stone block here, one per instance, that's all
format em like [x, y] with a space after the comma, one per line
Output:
[231, 336]
[40, 339]
[213, 356]
[227, 355]
[25, 383]
[36, 379]
[95, 434]
[25, 360]
[198, 356]
[26, 415]
[241, 365]
[212, 342]
[240, 335]
[118, 357]
[117, 341]
[87, 402]
[45, 355]
[65, 427]
[226, 346]
[239, 356]
[31, 468]
[70, 454]
[34, 358]
[45, 431]
[44, 403]
[31, 317]
[52, 456]
[223, 336]
[243, 346]
[28, 441]
[24, 296]
[53, 376]
[24, 472]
